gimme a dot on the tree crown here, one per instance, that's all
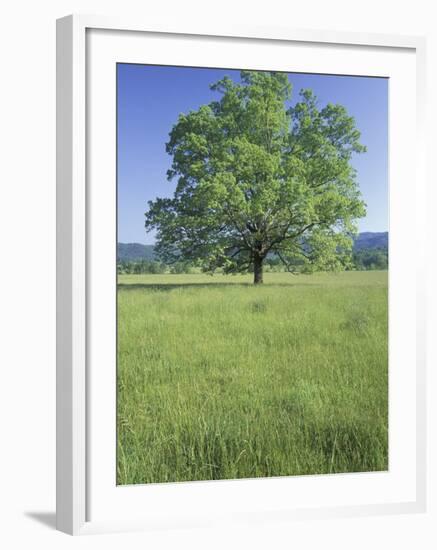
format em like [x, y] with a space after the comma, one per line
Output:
[256, 176]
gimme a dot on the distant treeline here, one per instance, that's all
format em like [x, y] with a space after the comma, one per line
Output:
[153, 267]
[370, 258]
[363, 260]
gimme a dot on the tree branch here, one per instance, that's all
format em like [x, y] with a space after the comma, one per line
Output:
[287, 265]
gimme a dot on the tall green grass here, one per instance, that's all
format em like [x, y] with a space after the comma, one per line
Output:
[219, 379]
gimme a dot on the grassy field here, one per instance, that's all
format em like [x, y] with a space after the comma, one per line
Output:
[218, 379]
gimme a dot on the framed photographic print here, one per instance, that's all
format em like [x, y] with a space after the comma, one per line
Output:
[240, 275]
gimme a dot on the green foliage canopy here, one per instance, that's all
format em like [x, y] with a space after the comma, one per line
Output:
[257, 177]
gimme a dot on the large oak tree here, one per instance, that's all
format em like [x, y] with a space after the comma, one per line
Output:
[256, 177]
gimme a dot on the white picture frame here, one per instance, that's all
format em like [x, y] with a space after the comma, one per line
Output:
[74, 289]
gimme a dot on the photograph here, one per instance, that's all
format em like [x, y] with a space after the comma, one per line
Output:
[252, 274]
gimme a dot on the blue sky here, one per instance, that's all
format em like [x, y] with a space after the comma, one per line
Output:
[150, 99]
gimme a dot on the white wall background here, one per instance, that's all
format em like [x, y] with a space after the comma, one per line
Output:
[27, 271]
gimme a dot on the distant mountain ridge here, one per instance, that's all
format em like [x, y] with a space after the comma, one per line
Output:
[371, 240]
[128, 252]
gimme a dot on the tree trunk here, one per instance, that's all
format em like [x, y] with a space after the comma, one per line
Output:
[257, 270]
